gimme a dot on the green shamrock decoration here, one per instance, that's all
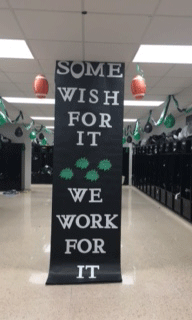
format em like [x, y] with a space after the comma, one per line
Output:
[66, 174]
[82, 163]
[105, 165]
[92, 175]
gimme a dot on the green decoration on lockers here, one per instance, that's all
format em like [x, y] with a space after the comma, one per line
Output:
[29, 126]
[123, 140]
[169, 121]
[163, 114]
[32, 135]
[66, 174]
[82, 163]
[3, 118]
[92, 175]
[136, 136]
[105, 165]
[43, 142]
[136, 133]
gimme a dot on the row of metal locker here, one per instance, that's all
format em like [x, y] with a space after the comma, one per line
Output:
[165, 176]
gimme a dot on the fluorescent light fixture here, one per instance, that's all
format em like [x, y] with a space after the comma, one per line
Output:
[29, 100]
[142, 103]
[43, 118]
[15, 49]
[50, 127]
[164, 54]
[52, 101]
[129, 120]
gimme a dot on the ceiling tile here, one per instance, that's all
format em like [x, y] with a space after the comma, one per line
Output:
[181, 70]
[135, 112]
[121, 6]
[111, 52]
[50, 25]
[48, 111]
[4, 78]
[21, 77]
[176, 8]
[174, 82]
[149, 69]
[57, 50]
[9, 28]
[51, 79]
[3, 4]
[62, 5]
[19, 65]
[8, 89]
[166, 90]
[114, 28]
[48, 66]
[169, 30]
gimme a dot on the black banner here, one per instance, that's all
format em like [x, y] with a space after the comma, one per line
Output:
[86, 209]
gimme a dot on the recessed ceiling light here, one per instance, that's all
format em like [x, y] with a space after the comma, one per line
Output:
[129, 120]
[29, 100]
[15, 49]
[142, 103]
[164, 54]
[42, 118]
[50, 127]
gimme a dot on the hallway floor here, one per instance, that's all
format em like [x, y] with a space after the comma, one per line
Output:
[156, 264]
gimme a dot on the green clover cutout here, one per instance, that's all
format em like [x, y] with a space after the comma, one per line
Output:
[82, 163]
[66, 174]
[92, 175]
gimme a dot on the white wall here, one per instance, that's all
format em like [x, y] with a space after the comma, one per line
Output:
[8, 130]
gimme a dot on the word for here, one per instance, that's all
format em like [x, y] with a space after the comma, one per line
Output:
[85, 246]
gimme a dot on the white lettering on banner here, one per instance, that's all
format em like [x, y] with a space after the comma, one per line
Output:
[93, 221]
[93, 134]
[93, 94]
[94, 72]
[80, 134]
[94, 194]
[114, 97]
[67, 93]
[67, 220]
[92, 273]
[79, 193]
[81, 95]
[96, 247]
[94, 119]
[114, 67]
[105, 122]
[87, 69]
[75, 115]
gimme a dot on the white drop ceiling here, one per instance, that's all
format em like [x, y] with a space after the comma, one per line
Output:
[112, 30]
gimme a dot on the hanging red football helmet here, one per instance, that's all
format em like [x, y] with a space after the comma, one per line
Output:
[40, 86]
[138, 87]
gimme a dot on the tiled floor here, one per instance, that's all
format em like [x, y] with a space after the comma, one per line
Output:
[156, 265]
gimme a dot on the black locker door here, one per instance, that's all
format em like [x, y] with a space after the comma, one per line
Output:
[11, 167]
